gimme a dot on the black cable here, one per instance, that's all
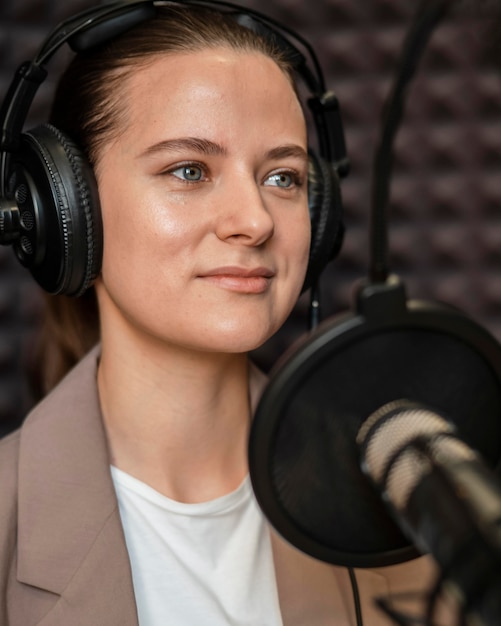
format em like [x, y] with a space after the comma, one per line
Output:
[314, 312]
[356, 596]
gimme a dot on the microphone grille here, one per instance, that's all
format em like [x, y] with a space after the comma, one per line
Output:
[393, 440]
[391, 428]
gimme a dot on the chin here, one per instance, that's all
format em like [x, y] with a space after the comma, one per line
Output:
[239, 340]
[238, 346]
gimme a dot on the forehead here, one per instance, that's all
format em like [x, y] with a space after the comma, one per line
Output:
[214, 63]
[203, 80]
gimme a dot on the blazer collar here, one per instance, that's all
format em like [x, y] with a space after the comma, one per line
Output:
[68, 512]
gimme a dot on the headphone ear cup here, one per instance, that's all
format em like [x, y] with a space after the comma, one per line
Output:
[56, 192]
[326, 214]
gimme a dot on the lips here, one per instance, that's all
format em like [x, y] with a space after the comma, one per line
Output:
[240, 279]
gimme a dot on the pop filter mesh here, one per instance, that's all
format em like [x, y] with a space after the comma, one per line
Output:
[313, 466]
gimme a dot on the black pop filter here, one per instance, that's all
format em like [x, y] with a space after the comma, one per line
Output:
[304, 461]
[303, 457]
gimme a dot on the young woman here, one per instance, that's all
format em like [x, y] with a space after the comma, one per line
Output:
[125, 495]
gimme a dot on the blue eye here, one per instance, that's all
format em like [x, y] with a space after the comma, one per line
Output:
[190, 173]
[281, 179]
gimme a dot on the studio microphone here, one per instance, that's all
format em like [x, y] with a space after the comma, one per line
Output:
[443, 497]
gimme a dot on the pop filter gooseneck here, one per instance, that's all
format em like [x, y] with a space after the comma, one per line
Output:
[428, 15]
[303, 456]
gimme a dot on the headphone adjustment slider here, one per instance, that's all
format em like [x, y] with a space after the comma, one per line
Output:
[22, 90]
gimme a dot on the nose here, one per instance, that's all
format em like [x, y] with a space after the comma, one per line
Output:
[244, 216]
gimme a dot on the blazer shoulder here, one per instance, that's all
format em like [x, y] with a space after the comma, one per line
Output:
[9, 462]
[9, 456]
[9, 459]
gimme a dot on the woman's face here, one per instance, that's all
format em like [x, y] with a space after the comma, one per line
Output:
[204, 202]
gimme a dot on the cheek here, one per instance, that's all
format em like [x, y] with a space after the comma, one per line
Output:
[295, 252]
[140, 232]
[306, 239]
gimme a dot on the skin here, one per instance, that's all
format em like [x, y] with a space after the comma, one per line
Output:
[206, 226]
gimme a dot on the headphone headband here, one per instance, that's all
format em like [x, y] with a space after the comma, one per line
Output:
[105, 22]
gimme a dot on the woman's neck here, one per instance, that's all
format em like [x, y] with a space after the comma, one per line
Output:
[176, 420]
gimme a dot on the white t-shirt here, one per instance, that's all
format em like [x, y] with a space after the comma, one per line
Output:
[204, 564]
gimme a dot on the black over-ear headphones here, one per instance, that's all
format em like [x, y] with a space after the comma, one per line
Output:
[49, 205]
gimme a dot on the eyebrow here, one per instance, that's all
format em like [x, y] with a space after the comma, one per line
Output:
[202, 146]
[211, 148]
[288, 150]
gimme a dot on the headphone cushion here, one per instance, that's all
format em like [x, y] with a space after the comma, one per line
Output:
[326, 214]
[56, 192]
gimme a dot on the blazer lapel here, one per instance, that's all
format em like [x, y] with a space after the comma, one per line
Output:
[70, 540]
[310, 592]
[314, 593]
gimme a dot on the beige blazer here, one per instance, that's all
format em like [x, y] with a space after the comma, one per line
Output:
[63, 558]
